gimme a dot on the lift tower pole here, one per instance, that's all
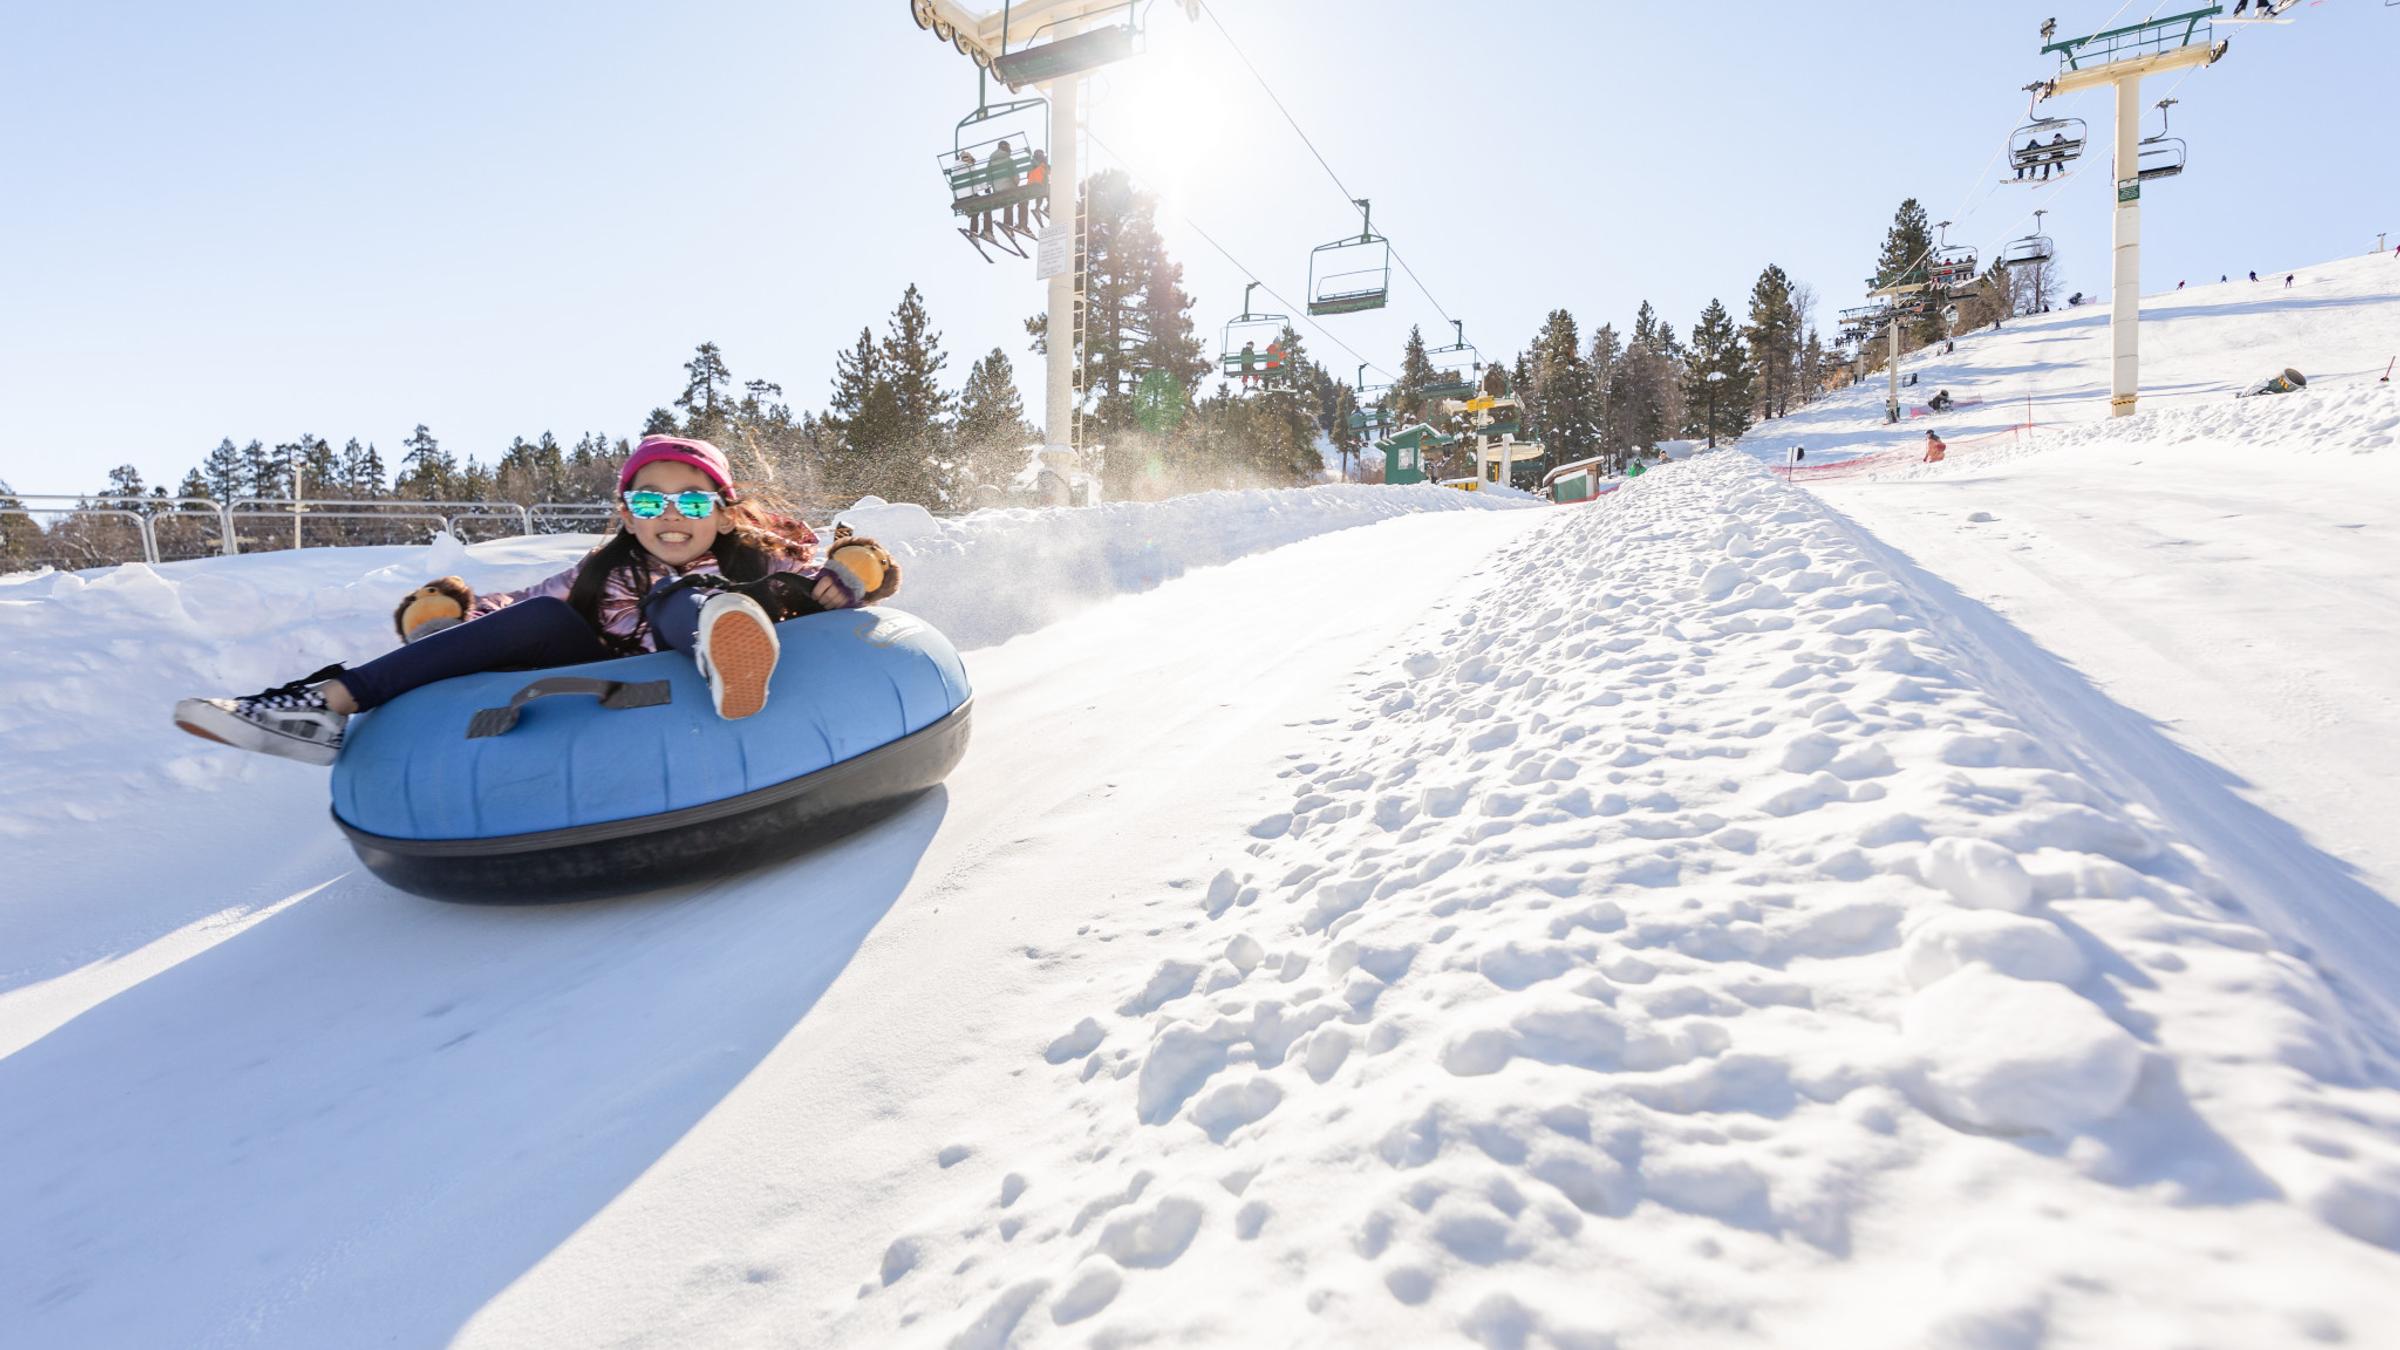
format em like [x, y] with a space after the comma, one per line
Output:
[1065, 332]
[2120, 57]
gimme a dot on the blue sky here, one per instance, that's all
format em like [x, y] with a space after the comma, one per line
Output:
[254, 220]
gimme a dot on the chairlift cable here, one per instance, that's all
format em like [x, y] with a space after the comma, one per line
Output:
[1349, 198]
[1272, 294]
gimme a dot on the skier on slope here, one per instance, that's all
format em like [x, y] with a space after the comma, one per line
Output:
[695, 565]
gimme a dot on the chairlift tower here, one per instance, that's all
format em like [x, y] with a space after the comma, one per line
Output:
[1051, 44]
[2120, 57]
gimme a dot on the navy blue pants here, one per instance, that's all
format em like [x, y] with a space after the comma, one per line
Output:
[529, 635]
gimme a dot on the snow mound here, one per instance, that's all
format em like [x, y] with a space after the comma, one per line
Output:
[2018, 1055]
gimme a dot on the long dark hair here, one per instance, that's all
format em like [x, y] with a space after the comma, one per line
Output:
[753, 536]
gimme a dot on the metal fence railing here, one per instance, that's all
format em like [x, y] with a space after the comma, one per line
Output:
[72, 531]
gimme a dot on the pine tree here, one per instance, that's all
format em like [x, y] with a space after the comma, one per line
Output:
[991, 435]
[660, 422]
[426, 470]
[1774, 336]
[913, 360]
[1721, 407]
[361, 472]
[265, 474]
[1640, 388]
[1905, 244]
[225, 472]
[706, 399]
[1416, 372]
[1602, 360]
[125, 481]
[317, 472]
[855, 374]
[1561, 400]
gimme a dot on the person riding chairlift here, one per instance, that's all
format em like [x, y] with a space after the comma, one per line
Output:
[1037, 174]
[1000, 176]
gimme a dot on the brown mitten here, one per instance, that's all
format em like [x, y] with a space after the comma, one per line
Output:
[860, 566]
[430, 608]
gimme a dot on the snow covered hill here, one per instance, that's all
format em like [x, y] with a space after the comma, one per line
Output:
[1672, 921]
[2224, 567]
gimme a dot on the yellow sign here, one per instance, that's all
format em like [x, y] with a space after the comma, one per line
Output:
[1479, 404]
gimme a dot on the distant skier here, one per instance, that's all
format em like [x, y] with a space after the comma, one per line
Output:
[1940, 402]
[2287, 279]
[1934, 449]
[2027, 157]
[2254, 274]
[2284, 383]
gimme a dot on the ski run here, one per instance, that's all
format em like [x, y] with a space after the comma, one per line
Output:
[1891, 905]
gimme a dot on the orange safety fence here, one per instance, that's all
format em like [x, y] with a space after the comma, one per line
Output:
[1898, 457]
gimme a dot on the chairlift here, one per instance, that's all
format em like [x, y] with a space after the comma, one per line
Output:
[1863, 321]
[1949, 265]
[2160, 156]
[2032, 250]
[1368, 415]
[998, 172]
[1454, 366]
[1251, 347]
[1351, 274]
[2045, 146]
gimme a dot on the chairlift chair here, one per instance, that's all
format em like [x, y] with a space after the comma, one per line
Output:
[2045, 147]
[2032, 249]
[995, 189]
[1951, 267]
[1351, 274]
[1368, 415]
[1455, 366]
[2160, 156]
[1251, 347]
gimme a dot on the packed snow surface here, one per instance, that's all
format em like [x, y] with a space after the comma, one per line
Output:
[1668, 921]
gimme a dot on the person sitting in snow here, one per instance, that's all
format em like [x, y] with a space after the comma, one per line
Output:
[1934, 449]
[695, 565]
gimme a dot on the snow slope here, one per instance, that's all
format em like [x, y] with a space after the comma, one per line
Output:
[2225, 567]
[1672, 921]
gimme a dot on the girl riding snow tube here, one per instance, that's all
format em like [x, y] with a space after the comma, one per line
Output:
[695, 567]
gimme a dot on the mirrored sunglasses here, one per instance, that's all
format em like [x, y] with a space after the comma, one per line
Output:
[645, 504]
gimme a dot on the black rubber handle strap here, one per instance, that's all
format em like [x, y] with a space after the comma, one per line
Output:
[613, 695]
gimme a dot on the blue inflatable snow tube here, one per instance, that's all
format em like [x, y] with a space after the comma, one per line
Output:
[619, 776]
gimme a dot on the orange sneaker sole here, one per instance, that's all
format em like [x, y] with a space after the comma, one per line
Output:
[742, 652]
